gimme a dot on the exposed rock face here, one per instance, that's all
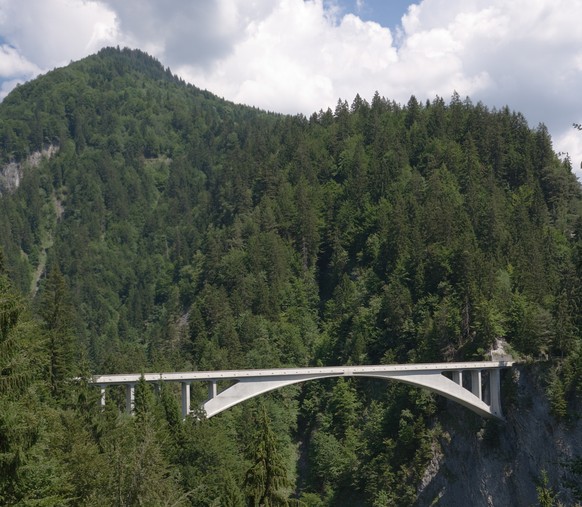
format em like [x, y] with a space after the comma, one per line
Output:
[11, 174]
[500, 464]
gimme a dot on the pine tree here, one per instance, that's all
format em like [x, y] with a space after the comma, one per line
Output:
[267, 479]
[546, 494]
[56, 311]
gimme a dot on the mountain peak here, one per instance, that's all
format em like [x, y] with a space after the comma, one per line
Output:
[71, 101]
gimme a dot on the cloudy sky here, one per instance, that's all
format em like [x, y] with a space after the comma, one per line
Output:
[302, 55]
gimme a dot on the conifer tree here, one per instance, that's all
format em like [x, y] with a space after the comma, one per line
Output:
[266, 480]
[56, 311]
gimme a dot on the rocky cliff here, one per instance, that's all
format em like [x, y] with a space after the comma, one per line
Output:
[11, 173]
[502, 464]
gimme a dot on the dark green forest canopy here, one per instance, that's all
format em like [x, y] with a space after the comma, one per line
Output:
[171, 229]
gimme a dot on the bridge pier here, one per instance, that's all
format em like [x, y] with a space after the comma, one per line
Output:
[212, 389]
[130, 398]
[495, 391]
[476, 387]
[458, 377]
[102, 397]
[185, 398]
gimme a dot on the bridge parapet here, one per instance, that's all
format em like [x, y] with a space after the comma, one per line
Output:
[447, 379]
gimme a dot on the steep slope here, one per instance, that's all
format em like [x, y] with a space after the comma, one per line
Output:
[195, 233]
[509, 463]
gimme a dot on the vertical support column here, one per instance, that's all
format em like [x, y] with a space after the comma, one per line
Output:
[102, 398]
[157, 389]
[458, 377]
[129, 398]
[185, 399]
[495, 390]
[212, 390]
[476, 383]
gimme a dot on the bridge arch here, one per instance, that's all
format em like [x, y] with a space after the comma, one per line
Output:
[245, 389]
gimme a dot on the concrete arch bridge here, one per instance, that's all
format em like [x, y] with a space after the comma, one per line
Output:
[475, 385]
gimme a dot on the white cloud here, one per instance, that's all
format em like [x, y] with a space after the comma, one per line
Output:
[570, 143]
[302, 55]
[186, 31]
[7, 86]
[12, 63]
[300, 58]
[53, 32]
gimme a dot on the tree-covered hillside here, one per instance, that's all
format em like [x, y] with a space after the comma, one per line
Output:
[172, 230]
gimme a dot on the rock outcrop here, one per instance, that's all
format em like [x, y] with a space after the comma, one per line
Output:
[11, 173]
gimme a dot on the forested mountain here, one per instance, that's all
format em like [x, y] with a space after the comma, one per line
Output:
[147, 225]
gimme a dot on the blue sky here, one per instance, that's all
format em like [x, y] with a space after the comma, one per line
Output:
[297, 56]
[388, 13]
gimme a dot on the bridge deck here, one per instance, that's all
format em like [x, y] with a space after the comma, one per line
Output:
[132, 378]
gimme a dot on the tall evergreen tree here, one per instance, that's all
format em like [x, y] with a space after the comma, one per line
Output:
[267, 479]
[56, 311]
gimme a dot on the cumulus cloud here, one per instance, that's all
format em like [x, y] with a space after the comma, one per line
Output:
[302, 55]
[299, 58]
